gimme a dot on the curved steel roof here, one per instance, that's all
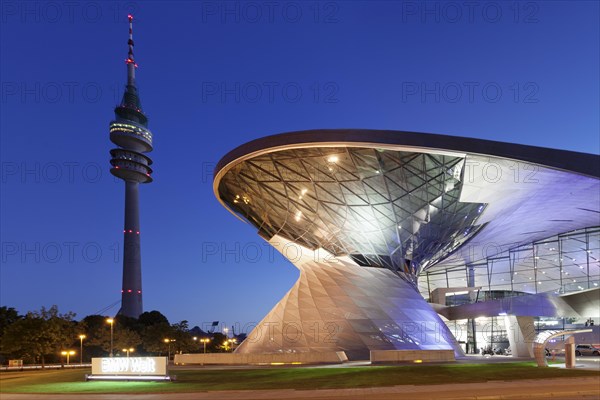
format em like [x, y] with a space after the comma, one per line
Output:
[582, 163]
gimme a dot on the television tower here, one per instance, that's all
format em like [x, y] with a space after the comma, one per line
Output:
[130, 132]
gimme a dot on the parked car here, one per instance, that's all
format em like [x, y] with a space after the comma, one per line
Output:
[586, 350]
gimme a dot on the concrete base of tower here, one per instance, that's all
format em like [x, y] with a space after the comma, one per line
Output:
[337, 305]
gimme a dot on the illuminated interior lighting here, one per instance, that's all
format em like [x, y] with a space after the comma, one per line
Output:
[333, 159]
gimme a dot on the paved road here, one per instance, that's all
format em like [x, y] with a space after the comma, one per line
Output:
[563, 388]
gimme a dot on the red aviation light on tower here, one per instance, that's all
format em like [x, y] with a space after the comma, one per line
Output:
[130, 43]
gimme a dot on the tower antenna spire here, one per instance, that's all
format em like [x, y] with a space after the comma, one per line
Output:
[131, 64]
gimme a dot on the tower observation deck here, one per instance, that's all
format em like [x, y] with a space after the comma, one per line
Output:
[130, 132]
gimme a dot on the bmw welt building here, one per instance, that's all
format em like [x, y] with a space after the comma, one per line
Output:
[412, 241]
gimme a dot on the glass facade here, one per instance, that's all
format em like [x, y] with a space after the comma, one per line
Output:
[564, 263]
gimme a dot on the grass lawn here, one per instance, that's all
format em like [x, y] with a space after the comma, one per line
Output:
[71, 381]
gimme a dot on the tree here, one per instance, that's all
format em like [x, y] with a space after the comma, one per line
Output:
[184, 341]
[156, 329]
[8, 316]
[122, 338]
[40, 334]
[153, 337]
[218, 343]
[152, 318]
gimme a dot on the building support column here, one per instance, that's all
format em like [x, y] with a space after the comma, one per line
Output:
[471, 324]
[521, 335]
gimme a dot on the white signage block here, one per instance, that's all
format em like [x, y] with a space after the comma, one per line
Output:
[139, 366]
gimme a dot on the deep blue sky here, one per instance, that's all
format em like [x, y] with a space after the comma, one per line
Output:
[63, 70]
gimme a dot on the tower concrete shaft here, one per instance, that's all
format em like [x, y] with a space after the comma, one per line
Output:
[131, 297]
[130, 132]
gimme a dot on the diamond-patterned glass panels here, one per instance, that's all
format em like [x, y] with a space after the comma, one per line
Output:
[384, 208]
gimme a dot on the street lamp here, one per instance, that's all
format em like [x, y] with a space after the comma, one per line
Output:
[81, 337]
[129, 350]
[111, 322]
[232, 341]
[68, 353]
[204, 341]
[169, 342]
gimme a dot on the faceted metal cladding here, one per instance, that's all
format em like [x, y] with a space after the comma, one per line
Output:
[384, 208]
[130, 131]
[336, 305]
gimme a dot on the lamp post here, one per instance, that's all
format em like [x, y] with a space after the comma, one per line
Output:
[111, 321]
[68, 353]
[129, 350]
[81, 337]
[204, 341]
[168, 341]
